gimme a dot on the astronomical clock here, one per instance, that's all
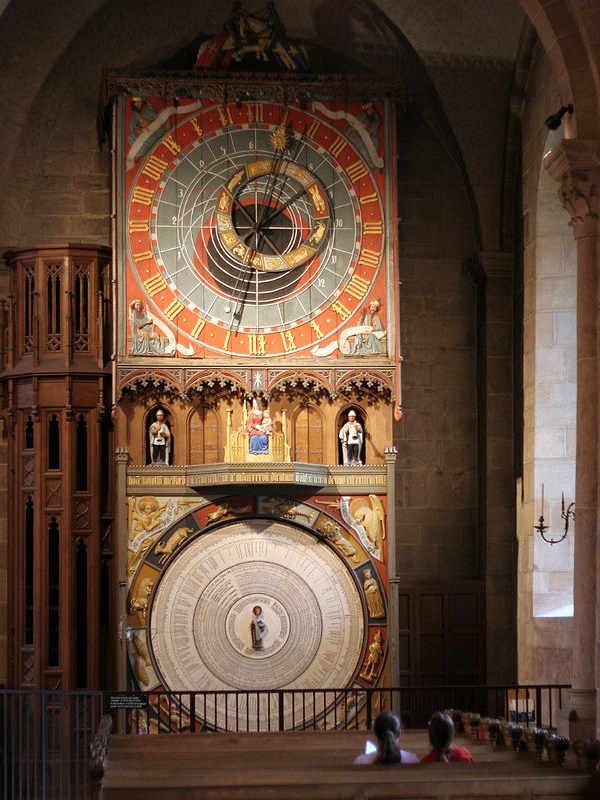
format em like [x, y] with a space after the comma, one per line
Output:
[257, 387]
[256, 229]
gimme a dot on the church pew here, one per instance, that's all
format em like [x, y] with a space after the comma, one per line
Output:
[318, 765]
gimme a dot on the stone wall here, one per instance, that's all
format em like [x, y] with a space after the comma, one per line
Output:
[545, 572]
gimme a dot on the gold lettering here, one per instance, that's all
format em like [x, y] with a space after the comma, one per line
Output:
[255, 112]
[226, 343]
[174, 308]
[256, 344]
[341, 309]
[154, 167]
[198, 328]
[196, 126]
[318, 332]
[368, 198]
[337, 147]
[287, 338]
[155, 284]
[142, 195]
[369, 258]
[313, 128]
[171, 145]
[356, 171]
[373, 227]
[138, 226]
[358, 287]
[225, 116]
[137, 257]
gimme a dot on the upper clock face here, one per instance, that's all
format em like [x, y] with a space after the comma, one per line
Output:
[254, 229]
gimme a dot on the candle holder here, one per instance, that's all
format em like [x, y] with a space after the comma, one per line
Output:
[541, 528]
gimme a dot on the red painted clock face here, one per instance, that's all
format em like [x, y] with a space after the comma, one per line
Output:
[255, 229]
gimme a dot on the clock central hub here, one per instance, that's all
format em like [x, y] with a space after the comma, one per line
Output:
[273, 215]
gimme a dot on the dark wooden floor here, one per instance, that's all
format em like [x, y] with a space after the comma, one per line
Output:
[319, 765]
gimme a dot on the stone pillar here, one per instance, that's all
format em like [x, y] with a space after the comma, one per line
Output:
[499, 505]
[493, 274]
[575, 165]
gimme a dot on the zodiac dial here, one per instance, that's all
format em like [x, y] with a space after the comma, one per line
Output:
[253, 229]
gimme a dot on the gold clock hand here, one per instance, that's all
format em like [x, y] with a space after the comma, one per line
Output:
[271, 184]
[283, 206]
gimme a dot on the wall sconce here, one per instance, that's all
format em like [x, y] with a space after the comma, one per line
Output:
[554, 120]
[566, 515]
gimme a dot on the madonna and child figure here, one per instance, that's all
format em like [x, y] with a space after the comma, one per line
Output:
[259, 428]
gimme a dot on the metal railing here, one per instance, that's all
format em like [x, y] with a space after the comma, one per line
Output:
[45, 736]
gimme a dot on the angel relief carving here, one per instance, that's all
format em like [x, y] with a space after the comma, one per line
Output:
[146, 520]
[367, 517]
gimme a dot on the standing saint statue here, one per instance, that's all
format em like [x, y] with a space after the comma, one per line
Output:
[351, 437]
[258, 628]
[373, 596]
[160, 439]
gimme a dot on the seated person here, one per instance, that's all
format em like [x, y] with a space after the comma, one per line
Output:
[441, 734]
[387, 729]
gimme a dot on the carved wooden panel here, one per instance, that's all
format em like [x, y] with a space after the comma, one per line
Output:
[308, 436]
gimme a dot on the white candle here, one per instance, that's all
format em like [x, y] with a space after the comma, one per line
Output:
[542, 512]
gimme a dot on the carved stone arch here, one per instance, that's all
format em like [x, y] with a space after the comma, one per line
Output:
[170, 421]
[308, 427]
[361, 417]
[205, 435]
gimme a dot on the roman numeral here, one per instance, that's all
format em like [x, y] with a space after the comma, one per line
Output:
[358, 287]
[341, 309]
[369, 258]
[368, 198]
[138, 226]
[337, 147]
[171, 145]
[198, 328]
[147, 254]
[287, 338]
[154, 167]
[356, 171]
[155, 284]
[142, 195]
[174, 308]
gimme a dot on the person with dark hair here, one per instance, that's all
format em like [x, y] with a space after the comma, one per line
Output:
[441, 736]
[387, 729]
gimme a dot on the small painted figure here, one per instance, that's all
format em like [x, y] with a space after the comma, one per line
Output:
[145, 339]
[351, 437]
[160, 439]
[373, 596]
[258, 432]
[267, 423]
[370, 342]
[375, 654]
[258, 628]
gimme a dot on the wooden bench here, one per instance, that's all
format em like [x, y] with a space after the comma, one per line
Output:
[319, 765]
